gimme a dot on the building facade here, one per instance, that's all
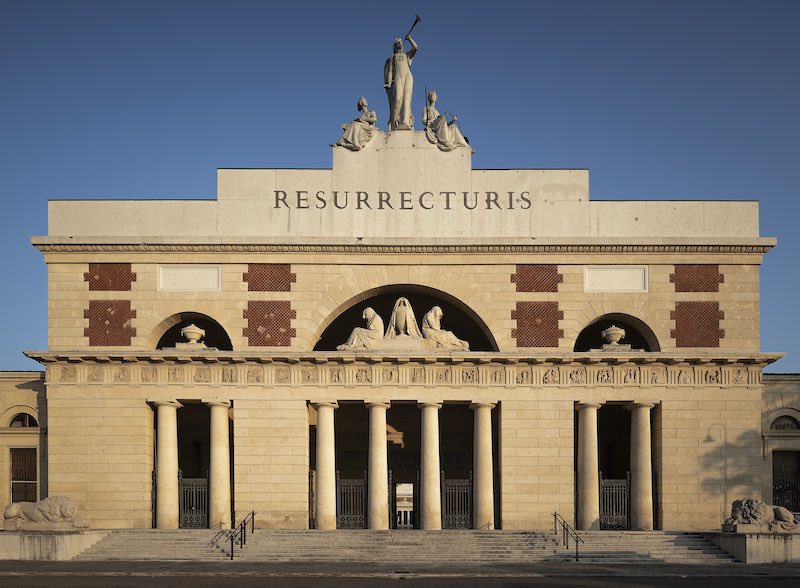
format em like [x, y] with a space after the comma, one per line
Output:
[513, 400]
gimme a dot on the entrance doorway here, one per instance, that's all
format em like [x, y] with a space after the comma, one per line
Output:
[786, 479]
[194, 441]
[614, 446]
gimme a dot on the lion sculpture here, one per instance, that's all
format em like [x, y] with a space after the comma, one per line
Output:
[752, 511]
[52, 513]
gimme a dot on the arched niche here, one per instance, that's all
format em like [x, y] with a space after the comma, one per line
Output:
[637, 334]
[215, 336]
[458, 317]
[11, 413]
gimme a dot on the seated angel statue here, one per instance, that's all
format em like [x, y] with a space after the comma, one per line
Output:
[445, 135]
[359, 132]
[433, 332]
[368, 338]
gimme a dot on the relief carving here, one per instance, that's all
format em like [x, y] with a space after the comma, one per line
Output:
[524, 377]
[228, 375]
[282, 375]
[631, 376]
[147, 374]
[175, 374]
[605, 377]
[364, 376]
[469, 376]
[95, 375]
[577, 376]
[68, 374]
[121, 375]
[309, 375]
[658, 376]
[202, 375]
[390, 375]
[336, 376]
[550, 377]
[255, 375]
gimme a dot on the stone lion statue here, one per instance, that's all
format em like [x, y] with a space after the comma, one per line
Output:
[752, 511]
[51, 513]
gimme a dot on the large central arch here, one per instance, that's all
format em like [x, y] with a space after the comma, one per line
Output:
[458, 317]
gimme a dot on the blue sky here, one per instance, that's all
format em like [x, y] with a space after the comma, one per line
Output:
[141, 99]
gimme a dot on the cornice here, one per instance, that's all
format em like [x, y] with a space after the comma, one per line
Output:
[552, 358]
[366, 248]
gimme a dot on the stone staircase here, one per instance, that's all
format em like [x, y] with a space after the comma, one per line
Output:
[646, 547]
[405, 547]
[159, 544]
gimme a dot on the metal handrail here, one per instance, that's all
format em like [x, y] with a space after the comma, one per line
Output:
[566, 532]
[241, 531]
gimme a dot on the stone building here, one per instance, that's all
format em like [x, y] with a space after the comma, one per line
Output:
[514, 400]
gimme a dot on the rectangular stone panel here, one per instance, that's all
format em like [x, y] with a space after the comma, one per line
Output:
[537, 324]
[269, 323]
[269, 277]
[696, 277]
[615, 278]
[109, 323]
[697, 324]
[189, 278]
[537, 278]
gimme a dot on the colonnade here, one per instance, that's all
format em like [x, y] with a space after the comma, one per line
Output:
[641, 491]
[378, 471]
[219, 483]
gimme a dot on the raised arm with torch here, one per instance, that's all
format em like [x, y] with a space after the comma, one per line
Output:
[399, 83]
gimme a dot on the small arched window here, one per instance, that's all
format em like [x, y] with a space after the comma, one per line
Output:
[23, 420]
[785, 423]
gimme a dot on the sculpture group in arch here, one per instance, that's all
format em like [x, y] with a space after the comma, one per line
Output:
[403, 333]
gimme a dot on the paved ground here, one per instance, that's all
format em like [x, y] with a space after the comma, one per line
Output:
[357, 575]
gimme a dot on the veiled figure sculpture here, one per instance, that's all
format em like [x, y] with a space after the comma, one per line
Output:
[445, 135]
[365, 338]
[403, 322]
[438, 337]
[358, 133]
[399, 85]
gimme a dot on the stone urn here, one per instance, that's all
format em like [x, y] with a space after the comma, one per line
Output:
[193, 333]
[613, 334]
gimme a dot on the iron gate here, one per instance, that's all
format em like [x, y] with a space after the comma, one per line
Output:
[786, 479]
[351, 502]
[23, 475]
[456, 502]
[614, 503]
[193, 494]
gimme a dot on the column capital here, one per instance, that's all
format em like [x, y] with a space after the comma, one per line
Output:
[582, 405]
[318, 403]
[381, 403]
[173, 403]
[225, 403]
[434, 403]
[634, 405]
[481, 403]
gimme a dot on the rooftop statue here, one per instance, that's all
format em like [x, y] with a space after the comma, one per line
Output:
[399, 83]
[358, 133]
[438, 337]
[445, 135]
[368, 338]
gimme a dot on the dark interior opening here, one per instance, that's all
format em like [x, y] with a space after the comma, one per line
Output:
[637, 334]
[215, 335]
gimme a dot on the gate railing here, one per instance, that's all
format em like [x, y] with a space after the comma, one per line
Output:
[456, 502]
[614, 502]
[240, 533]
[351, 502]
[193, 494]
[567, 532]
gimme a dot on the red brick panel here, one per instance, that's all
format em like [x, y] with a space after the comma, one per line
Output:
[537, 278]
[695, 277]
[537, 324]
[110, 277]
[269, 277]
[697, 324]
[269, 323]
[109, 323]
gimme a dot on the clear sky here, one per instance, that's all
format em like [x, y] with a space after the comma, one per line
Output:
[145, 99]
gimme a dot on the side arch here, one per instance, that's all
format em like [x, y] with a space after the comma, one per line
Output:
[638, 333]
[167, 332]
[12, 411]
[458, 317]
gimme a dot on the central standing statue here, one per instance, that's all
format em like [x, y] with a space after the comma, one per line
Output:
[399, 84]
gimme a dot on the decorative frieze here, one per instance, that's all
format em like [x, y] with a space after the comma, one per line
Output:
[406, 375]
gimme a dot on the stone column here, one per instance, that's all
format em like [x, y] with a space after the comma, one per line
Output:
[378, 468]
[219, 466]
[641, 468]
[588, 469]
[430, 472]
[326, 466]
[167, 464]
[483, 491]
